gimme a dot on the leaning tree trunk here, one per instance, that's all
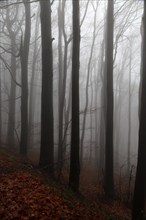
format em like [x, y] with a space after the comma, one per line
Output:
[24, 80]
[75, 137]
[47, 127]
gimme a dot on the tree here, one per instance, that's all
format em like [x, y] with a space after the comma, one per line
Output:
[24, 52]
[62, 80]
[109, 178]
[88, 77]
[75, 137]
[47, 128]
[60, 71]
[31, 93]
[13, 30]
[140, 182]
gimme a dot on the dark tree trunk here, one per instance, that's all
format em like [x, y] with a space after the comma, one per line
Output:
[0, 105]
[75, 137]
[103, 111]
[140, 182]
[24, 80]
[109, 178]
[47, 127]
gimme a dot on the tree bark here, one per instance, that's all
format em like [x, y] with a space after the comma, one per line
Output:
[87, 86]
[47, 126]
[75, 137]
[140, 182]
[24, 80]
[31, 93]
[109, 178]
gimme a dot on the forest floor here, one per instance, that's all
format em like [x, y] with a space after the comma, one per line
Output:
[26, 193]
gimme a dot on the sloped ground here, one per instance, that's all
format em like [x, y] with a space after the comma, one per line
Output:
[25, 193]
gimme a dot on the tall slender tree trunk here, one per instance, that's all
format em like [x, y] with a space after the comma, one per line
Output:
[24, 80]
[74, 174]
[87, 86]
[103, 110]
[62, 90]
[60, 72]
[91, 122]
[140, 182]
[0, 104]
[117, 110]
[47, 125]
[31, 93]
[129, 116]
[109, 175]
[96, 116]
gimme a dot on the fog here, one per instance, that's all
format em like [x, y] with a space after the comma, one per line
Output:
[126, 78]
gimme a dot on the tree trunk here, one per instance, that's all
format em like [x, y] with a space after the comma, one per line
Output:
[109, 178]
[140, 182]
[102, 111]
[24, 80]
[31, 96]
[47, 126]
[75, 137]
[60, 71]
[129, 116]
[87, 87]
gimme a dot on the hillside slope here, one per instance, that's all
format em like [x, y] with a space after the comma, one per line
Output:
[25, 193]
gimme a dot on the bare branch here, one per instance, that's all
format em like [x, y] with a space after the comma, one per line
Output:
[9, 69]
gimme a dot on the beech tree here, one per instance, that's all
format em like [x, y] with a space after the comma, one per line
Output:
[47, 128]
[140, 182]
[62, 80]
[109, 176]
[11, 33]
[75, 137]
[87, 81]
[24, 52]
[32, 80]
